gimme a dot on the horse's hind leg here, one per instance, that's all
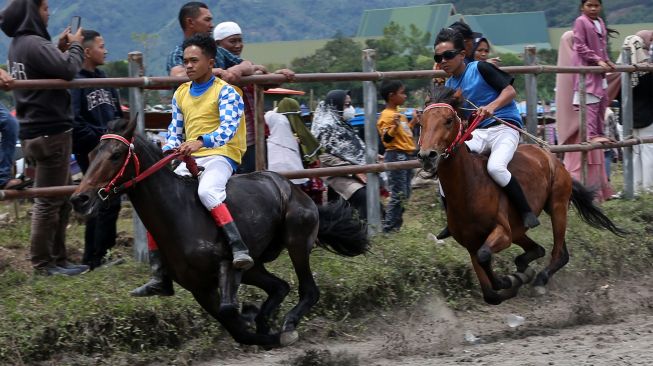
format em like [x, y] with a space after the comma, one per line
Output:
[559, 253]
[276, 289]
[300, 235]
[231, 320]
[532, 251]
[308, 293]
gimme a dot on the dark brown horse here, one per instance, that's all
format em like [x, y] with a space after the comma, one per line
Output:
[270, 212]
[480, 216]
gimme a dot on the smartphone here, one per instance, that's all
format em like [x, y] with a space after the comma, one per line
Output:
[75, 23]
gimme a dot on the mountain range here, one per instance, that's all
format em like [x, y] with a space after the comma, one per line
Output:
[151, 26]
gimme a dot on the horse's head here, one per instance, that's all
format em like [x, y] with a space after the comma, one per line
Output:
[106, 162]
[440, 125]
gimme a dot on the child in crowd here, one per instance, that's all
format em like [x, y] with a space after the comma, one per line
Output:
[396, 134]
[591, 49]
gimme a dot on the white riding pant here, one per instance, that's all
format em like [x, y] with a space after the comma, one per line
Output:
[643, 161]
[501, 142]
[213, 180]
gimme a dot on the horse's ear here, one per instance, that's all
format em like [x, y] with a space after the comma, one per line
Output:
[131, 127]
[458, 95]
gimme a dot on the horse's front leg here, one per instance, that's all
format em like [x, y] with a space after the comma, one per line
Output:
[498, 240]
[229, 282]
[230, 319]
[276, 289]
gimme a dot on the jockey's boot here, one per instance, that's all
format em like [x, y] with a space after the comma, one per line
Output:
[516, 195]
[445, 232]
[223, 219]
[160, 284]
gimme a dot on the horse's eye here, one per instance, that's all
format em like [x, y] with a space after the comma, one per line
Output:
[115, 156]
[449, 121]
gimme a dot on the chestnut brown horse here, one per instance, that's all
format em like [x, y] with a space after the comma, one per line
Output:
[271, 213]
[480, 216]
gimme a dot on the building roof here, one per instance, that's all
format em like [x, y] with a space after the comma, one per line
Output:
[427, 18]
[512, 31]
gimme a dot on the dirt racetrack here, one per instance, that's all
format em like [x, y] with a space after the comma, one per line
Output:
[578, 322]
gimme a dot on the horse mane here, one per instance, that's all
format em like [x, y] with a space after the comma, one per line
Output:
[445, 94]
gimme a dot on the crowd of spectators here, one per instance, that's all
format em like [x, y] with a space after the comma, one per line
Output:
[52, 124]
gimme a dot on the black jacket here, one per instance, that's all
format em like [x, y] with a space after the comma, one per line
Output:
[642, 102]
[32, 55]
[94, 108]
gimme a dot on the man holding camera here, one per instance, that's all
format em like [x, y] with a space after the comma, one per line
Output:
[94, 108]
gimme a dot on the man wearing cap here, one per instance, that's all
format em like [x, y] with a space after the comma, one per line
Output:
[229, 38]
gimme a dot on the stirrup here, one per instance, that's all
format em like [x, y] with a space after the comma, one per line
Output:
[242, 260]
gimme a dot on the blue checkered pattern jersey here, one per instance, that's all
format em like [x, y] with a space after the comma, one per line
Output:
[231, 108]
[223, 59]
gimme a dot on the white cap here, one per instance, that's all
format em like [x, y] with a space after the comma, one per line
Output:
[225, 29]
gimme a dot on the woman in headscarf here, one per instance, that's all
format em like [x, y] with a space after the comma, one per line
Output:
[567, 125]
[342, 146]
[481, 52]
[302, 148]
[283, 148]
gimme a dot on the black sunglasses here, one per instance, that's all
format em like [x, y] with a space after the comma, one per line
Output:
[447, 55]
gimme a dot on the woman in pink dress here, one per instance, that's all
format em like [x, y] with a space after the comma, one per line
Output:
[591, 49]
[567, 125]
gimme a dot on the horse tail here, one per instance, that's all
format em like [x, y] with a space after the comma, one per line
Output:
[583, 200]
[340, 230]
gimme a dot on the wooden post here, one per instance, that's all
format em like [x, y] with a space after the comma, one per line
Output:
[530, 53]
[371, 145]
[259, 116]
[627, 122]
[583, 125]
[137, 110]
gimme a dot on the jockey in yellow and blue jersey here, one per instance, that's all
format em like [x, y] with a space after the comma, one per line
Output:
[208, 123]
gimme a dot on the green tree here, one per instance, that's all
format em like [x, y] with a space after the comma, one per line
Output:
[401, 50]
[118, 69]
[342, 54]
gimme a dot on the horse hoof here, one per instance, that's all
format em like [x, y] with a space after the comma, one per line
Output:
[289, 337]
[517, 279]
[530, 274]
[539, 290]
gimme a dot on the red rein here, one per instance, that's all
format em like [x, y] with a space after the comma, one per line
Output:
[111, 187]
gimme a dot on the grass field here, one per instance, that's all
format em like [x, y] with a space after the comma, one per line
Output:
[90, 319]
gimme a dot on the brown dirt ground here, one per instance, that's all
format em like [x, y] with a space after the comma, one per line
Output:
[579, 322]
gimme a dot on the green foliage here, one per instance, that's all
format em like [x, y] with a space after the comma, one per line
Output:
[341, 54]
[402, 50]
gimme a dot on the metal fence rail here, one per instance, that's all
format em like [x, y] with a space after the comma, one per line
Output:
[138, 82]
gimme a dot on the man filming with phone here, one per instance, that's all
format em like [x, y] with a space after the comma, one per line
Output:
[46, 121]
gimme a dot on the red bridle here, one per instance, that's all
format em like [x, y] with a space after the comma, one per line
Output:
[111, 188]
[104, 192]
[462, 135]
